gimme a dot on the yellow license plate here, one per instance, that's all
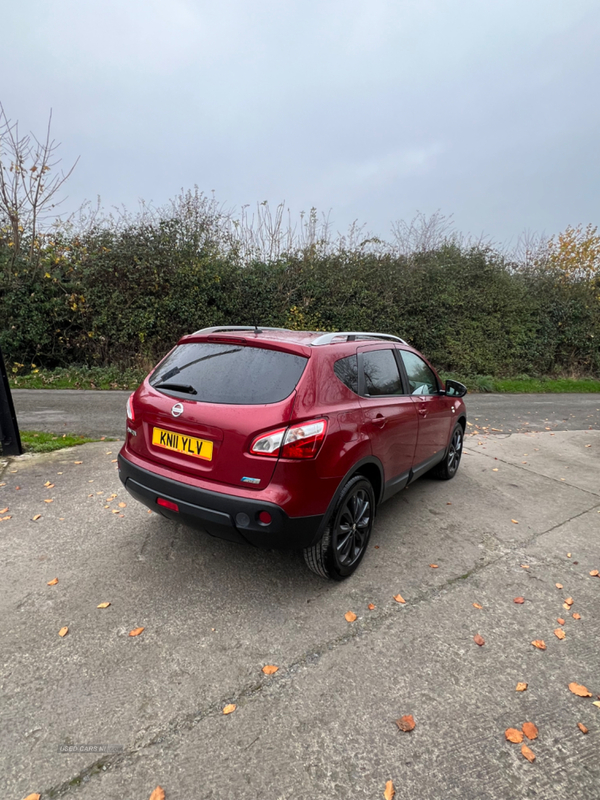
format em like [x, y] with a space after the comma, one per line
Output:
[199, 448]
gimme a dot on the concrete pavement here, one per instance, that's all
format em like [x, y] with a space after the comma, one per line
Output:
[97, 413]
[323, 726]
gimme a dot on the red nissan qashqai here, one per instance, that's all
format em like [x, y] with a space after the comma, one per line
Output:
[289, 439]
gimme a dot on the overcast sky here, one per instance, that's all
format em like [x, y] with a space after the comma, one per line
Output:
[371, 109]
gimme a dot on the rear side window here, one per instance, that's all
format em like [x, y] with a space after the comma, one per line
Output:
[381, 373]
[226, 373]
[346, 370]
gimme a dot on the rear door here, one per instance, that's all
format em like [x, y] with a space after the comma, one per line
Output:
[205, 404]
[389, 415]
[432, 408]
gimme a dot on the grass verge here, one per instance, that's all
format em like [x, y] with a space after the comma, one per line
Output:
[42, 442]
[523, 384]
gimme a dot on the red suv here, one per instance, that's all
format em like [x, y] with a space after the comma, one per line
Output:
[289, 439]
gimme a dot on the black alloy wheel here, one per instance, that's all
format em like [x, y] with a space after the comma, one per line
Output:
[448, 467]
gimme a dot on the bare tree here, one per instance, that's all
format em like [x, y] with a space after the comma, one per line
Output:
[28, 189]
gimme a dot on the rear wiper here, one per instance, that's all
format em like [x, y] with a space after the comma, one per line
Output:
[177, 387]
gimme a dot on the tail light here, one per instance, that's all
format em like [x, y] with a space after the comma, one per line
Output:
[130, 414]
[303, 440]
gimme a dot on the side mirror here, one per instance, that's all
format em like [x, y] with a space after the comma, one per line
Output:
[455, 389]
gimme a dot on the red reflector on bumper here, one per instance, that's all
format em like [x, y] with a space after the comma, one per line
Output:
[167, 504]
[264, 517]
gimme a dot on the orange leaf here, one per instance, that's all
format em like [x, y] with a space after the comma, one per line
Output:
[560, 620]
[36, 517]
[515, 521]
[53, 582]
[103, 605]
[513, 735]
[3, 510]
[406, 723]
[579, 690]
[568, 555]
[593, 573]
[476, 605]
[539, 643]
[270, 669]
[371, 607]
[350, 616]
[63, 632]
[559, 633]
[519, 600]
[136, 631]
[435, 566]
[558, 585]
[48, 501]
[529, 754]
[122, 505]
[569, 601]
[566, 607]
[576, 615]
[479, 640]
[521, 687]
[78, 462]
[530, 730]
[34, 796]
[399, 599]
[525, 566]
[389, 791]
[580, 725]
[229, 708]
[158, 794]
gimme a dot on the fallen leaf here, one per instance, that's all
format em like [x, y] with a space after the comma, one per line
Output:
[515, 521]
[559, 633]
[521, 687]
[47, 483]
[576, 615]
[53, 582]
[593, 573]
[48, 501]
[582, 727]
[63, 632]
[513, 735]
[270, 669]
[519, 600]
[560, 621]
[34, 796]
[230, 708]
[122, 505]
[406, 723]
[399, 599]
[371, 607]
[568, 555]
[109, 453]
[78, 462]
[525, 566]
[36, 517]
[158, 794]
[530, 730]
[435, 566]
[579, 690]
[389, 791]
[596, 703]
[494, 469]
[476, 605]
[569, 601]
[529, 754]
[104, 605]
[3, 510]
[136, 631]
[558, 585]
[539, 643]
[479, 640]
[350, 616]
[113, 460]
[566, 607]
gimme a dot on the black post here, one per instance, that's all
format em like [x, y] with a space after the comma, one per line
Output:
[9, 429]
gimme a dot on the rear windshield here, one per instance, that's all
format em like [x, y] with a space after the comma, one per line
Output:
[229, 373]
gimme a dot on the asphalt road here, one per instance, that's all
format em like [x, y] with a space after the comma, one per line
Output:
[95, 413]
[521, 516]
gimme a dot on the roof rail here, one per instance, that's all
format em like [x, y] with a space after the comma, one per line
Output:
[223, 328]
[351, 336]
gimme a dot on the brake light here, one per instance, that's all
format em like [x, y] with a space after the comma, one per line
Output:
[130, 414]
[303, 440]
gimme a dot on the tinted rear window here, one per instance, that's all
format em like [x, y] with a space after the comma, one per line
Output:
[346, 370]
[229, 373]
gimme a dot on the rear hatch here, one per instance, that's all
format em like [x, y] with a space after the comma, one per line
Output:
[204, 405]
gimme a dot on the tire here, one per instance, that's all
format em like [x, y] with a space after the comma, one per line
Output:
[345, 539]
[448, 468]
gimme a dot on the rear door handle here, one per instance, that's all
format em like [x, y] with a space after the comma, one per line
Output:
[379, 421]
[423, 411]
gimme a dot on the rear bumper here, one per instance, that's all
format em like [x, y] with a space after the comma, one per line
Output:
[222, 515]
